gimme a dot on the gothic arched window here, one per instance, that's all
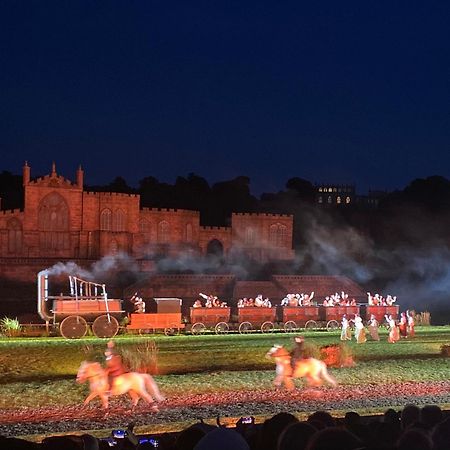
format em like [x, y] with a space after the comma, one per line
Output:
[163, 232]
[53, 223]
[249, 236]
[119, 220]
[277, 235]
[106, 220]
[144, 226]
[14, 227]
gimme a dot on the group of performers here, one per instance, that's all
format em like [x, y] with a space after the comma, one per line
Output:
[379, 300]
[337, 299]
[211, 301]
[258, 301]
[297, 299]
[403, 329]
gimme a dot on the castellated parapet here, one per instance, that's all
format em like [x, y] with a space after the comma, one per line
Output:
[62, 221]
[272, 215]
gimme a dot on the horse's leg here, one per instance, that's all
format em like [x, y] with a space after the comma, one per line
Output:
[151, 386]
[104, 398]
[327, 377]
[289, 383]
[90, 397]
[134, 399]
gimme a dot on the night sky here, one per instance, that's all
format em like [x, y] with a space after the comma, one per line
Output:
[345, 92]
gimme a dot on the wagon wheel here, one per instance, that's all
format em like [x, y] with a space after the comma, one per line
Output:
[105, 327]
[245, 327]
[198, 328]
[73, 327]
[221, 328]
[267, 327]
[332, 325]
[290, 326]
[311, 325]
[172, 330]
[144, 331]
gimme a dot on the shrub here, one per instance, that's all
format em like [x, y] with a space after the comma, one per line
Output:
[10, 327]
[141, 357]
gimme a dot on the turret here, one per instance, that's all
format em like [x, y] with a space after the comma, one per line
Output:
[80, 176]
[25, 174]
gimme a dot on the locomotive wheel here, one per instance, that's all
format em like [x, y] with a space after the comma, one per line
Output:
[311, 325]
[104, 327]
[290, 326]
[267, 327]
[172, 330]
[198, 328]
[332, 325]
[221, 328]
[245, 327]
[73, 327]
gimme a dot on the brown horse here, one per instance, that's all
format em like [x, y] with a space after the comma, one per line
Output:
[313, 369]
[136, 385]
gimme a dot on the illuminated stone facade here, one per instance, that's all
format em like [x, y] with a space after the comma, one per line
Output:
[62, 221]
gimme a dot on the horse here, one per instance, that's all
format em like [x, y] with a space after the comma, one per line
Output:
[313, 369]
[136, 385]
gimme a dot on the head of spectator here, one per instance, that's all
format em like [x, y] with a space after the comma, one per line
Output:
[431, 415]
[189, 438]
[17, 444]
[222, 439]
[322, 416]
[410, 414]
[332, 438]
[391, 416]
[295, 436]
[63, 442]
[272, 429]
[441, 435]
[414, 439]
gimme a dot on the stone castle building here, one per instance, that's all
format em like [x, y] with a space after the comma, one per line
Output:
[62, 221]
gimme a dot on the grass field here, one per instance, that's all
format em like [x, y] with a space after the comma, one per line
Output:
[42, 371]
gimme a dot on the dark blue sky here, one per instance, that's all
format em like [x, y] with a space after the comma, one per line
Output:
[327, 91]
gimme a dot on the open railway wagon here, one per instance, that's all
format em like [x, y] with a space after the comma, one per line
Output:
[87, 305]
[380, 312]
[251, 318]
[296, 317]
[204, 319]
[166, 319]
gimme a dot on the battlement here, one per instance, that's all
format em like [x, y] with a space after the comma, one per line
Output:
[174, 210]
[212, 228]
[11, 211]
[257, 215]
[111, 194]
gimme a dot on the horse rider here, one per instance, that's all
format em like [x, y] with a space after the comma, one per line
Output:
[114, 364]
[297, 353]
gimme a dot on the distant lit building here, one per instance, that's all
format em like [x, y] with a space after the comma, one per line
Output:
[335, 194]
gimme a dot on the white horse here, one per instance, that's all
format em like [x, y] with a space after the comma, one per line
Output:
[136, 385]
[313, 369]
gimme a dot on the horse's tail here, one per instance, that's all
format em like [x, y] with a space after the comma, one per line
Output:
[326, 376]
[152, 387]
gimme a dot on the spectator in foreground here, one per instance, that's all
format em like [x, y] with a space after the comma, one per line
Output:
[333, 438]
[295, 436]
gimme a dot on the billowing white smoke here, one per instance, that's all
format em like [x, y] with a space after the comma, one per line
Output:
[99, 270]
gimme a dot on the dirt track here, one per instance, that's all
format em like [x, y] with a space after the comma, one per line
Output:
[189, 408]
